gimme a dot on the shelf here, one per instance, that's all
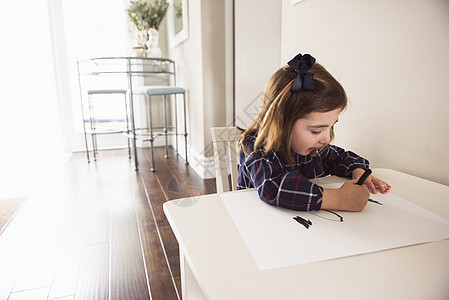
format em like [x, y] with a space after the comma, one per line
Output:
[106, 131]
[137, 73]
[134, 66]
[145, 135]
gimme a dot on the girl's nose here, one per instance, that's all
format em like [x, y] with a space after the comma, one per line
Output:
[326, 138]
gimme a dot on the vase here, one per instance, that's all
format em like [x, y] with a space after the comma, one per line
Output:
[140, 41]
[153, 49]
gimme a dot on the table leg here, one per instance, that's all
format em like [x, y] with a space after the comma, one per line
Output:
[151, 133]
[131, 108]
[176, 123]
[185, 127]
[164, 98]
[189, 285]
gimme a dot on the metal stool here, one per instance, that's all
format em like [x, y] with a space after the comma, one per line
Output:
[151, 135]
[93, 131]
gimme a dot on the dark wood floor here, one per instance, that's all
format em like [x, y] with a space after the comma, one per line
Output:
[97, 230]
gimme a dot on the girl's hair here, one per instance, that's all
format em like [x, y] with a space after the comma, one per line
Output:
[282, 108]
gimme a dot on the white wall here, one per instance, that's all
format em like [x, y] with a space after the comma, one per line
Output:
[257, 54]
[200, 64]
[392, 59]
[203, 67]
[213, 45]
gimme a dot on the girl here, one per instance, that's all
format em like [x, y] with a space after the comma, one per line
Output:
[289, 142]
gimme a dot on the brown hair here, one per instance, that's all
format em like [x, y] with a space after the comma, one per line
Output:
[282, 108]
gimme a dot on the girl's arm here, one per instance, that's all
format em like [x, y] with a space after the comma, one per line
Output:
[347, 164]
[337, 161]
[289, 189]
[277, 185]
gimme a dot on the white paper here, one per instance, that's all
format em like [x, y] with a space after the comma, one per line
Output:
[276, 240]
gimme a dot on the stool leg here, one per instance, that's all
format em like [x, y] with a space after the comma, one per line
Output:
[165, 125]
[94, 142]
[85, 131]
[133, 129]
[185, 126]
[127, 126]
[92, 127]
[131, 105]
[94, 136]
[151, 135]
[176, 124]
[85, 141]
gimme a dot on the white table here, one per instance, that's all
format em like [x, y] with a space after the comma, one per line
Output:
[216, 263]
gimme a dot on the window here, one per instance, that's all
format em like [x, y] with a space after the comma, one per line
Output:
[29, 112]
[95, 29]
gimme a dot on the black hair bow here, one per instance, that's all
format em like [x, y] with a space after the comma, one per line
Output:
[302, 64]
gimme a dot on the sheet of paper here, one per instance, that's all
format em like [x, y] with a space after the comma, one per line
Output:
[276, 240]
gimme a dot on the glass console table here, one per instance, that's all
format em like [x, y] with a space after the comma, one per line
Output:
[130, 73]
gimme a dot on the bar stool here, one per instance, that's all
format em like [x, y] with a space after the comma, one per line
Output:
[93, 131]
[150, 134]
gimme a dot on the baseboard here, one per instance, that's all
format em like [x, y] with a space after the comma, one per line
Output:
[204, 166]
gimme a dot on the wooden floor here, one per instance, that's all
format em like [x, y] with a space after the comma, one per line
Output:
[95, 230]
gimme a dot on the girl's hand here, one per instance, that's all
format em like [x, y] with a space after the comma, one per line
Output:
[349, 197]
[372, 182]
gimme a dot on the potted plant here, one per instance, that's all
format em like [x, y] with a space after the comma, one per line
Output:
[148, 17]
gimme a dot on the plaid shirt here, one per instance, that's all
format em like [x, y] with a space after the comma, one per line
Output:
[278, 184]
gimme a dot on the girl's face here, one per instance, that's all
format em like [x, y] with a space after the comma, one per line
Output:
[313, 131]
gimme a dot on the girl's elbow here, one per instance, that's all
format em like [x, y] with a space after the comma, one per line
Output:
[268, 198]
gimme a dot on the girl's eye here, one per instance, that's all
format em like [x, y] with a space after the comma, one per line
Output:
[316, 132]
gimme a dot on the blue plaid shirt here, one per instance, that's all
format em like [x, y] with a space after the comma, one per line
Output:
[277, 183]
